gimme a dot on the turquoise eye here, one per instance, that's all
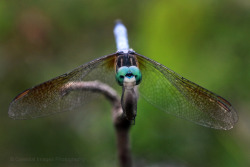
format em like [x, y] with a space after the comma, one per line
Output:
[137, 73]
[120, 75]
[128, 72]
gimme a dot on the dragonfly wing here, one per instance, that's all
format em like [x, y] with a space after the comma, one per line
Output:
[48, 98]
[178, 96]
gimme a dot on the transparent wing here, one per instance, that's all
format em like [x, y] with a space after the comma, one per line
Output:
[48, 98]
[178, 96]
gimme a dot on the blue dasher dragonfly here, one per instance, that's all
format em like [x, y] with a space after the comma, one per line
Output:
[158, 84]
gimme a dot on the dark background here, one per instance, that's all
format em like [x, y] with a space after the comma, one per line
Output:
[204, 41]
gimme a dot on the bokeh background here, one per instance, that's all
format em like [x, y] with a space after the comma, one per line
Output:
[207, 42]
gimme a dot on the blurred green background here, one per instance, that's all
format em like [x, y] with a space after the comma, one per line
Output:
[207, 42]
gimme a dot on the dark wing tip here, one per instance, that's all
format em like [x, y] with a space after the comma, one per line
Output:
[12, 111]
[21, 94]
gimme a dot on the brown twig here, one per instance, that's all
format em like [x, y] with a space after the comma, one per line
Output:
[121, 124]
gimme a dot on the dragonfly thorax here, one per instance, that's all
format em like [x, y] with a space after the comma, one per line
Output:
[126, 59]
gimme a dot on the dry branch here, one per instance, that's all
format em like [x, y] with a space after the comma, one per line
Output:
[121, 124]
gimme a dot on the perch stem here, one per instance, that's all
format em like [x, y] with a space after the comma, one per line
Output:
[121, 124]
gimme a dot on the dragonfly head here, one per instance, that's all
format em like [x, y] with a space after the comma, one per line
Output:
[128, 76]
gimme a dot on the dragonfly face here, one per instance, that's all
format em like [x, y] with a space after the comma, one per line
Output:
[127, 71]
[162, 87]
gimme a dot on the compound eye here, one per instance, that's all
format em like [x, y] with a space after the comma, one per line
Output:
[120, 75]
[137, 73]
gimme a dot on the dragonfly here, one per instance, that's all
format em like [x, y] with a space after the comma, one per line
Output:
[127, 70]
